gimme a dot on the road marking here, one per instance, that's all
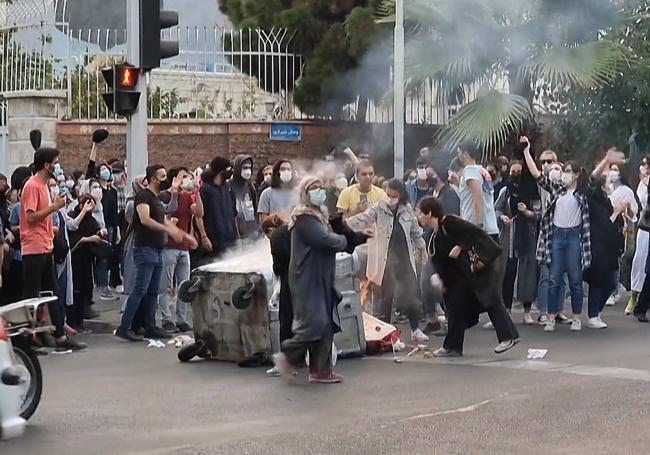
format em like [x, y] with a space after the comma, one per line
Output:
[540, 365]
[469, 408]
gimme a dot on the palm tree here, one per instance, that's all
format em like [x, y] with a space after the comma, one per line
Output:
[511, 49]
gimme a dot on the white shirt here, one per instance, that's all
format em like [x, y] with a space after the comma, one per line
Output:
[642, 193]
[567, 211]
[624, 195]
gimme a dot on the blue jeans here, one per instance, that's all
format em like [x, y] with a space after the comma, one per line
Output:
[176, 269]
[544, 288]
[148, 269]
[599, 294]
[566, 257]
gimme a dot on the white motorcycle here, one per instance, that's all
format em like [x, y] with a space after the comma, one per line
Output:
[21, 378]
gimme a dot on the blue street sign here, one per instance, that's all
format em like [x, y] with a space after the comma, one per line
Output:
[285, 132]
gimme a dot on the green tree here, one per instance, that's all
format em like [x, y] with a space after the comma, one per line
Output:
[332, 36]
[507, 48]
[589, 119]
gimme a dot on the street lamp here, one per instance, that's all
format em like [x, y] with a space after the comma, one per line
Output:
[398, 90]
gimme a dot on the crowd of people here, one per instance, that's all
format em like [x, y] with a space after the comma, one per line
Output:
[449, 240]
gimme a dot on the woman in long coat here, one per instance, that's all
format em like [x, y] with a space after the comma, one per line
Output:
[467, 292]
[311, 279]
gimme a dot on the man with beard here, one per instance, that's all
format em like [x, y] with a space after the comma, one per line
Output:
[149, 229]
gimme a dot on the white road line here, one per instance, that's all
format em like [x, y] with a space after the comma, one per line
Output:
[539, 365]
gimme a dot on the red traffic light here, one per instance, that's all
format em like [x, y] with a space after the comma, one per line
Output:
[127, 76]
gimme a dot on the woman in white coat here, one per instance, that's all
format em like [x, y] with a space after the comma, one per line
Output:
[642, 240]
[393, 253]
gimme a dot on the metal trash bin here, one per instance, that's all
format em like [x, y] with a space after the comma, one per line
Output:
[232, 316]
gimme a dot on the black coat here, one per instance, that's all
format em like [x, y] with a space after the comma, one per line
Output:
[607, 239]
[281, 252]
[485, 284]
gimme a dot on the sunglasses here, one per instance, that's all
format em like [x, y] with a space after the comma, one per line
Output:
[548, 161]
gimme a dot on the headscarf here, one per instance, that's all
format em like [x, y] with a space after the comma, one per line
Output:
[304, 207]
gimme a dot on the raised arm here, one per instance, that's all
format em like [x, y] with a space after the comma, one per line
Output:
[362, 221]
[530, 161]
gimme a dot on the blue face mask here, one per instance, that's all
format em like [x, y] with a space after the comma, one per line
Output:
[105, 174]
[317, 197]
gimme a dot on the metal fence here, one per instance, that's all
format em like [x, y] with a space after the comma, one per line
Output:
[209, 79]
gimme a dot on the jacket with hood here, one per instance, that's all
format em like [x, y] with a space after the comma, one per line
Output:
[245, 200]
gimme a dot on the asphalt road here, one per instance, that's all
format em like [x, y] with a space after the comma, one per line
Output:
[588, 396]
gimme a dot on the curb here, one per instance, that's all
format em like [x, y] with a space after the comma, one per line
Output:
[100, 327]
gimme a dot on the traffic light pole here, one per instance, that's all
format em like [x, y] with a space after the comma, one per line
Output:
[137, 154]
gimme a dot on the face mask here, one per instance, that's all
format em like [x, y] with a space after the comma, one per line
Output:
[567, 178]
[614, 176]
[286, 176]
[105, 174]
[97, 194]
[246, 174]
[422, 174]
[515, 179]
[317, 197]
[60, 178]
[555, 175]
[69, 184]
[188, 184]
[392, 201]
[412, 178]
[546, 168]
[267, 178]
[341, 183]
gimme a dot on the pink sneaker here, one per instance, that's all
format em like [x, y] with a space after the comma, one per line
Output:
[325, 378]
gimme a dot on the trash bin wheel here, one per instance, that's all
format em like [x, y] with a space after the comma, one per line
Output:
[189, 352]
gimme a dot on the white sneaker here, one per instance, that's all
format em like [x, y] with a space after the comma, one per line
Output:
[442, 319]
[550, 326]
[418, 335]
[595, 323]
[488, 325]
[542, 319]
[576, 325]
[611, 301]
[528, 319]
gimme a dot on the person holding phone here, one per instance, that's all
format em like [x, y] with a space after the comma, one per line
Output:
[359, 197]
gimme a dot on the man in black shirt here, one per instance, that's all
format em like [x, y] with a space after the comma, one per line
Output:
[149, 229]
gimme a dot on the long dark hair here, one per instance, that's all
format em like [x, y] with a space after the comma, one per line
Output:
[275, 178]
[400, 187]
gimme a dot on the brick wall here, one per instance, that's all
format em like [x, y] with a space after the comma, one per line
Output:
[195, 143]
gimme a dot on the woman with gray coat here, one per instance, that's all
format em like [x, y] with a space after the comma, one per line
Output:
[312, 270]
[397, 247]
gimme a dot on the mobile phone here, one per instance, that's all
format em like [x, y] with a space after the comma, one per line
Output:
[363, 199]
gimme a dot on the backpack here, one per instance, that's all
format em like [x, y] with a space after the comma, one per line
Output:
[61, 247]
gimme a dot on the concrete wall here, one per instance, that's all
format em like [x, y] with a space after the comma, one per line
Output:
[26, 111]
[195, 143]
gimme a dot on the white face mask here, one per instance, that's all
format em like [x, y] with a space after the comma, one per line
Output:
[286, 176]
[188, 184]
[246, 173]
[267, 179]
[97, 194]
[567, 178]
[422, 174]
[614, 176]
[392, 201]
[341, 183]
[555, 175]
[69, 184]
[546, 168]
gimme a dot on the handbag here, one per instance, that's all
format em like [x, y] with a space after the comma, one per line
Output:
[60, 243]
[482, 253]
[644, 220]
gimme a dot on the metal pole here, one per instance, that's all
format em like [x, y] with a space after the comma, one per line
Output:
[398, 90]
[137, 155]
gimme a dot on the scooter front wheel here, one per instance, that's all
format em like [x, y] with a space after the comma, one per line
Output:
[32, 387]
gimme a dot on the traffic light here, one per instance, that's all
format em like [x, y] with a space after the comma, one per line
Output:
[122, 98]
[152, 20]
